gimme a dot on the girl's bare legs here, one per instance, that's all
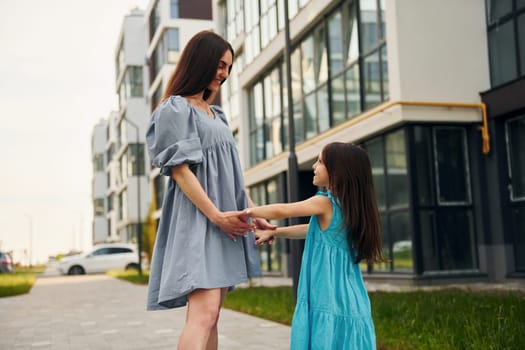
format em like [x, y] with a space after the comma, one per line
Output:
[200, 330]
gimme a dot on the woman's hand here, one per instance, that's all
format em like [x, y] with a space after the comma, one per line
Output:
[234, 224]
[264, 236]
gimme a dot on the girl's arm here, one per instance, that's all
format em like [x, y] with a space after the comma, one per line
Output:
[316, 205]
[292, 232]
[229, 222]
[260, 223]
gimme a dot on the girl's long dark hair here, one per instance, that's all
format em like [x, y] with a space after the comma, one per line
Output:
[197, 65]
[350, 180]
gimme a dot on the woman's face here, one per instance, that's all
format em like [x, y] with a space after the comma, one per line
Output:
[223, 70]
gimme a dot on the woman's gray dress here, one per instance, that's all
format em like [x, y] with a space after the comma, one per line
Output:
[190, 252]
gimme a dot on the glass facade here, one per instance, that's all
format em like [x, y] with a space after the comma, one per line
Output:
[444, 201]
[266, 117]
[98, 162]
[335, 76]
[271, 255]
[506, 39]
[515, 144]
[426, 175]
[166, 52]
[135, 154]
[98, 206]
[388, 157]
[230, 92]
[132, 84]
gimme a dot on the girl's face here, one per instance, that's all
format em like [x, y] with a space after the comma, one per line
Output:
[223, 70]
[320, 172]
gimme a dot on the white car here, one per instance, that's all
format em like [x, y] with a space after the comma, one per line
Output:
[101, 258]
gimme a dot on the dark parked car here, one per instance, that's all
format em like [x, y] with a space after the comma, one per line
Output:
[6, 264]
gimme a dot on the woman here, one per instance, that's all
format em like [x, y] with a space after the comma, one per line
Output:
[202, 247]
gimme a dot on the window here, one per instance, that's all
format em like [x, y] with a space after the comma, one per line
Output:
[234, 19]
[134, 81]
[452, 165]
[252, 42]
[268, 21]
[98, 162]
[388, 156]
[331, 80]
[230, 91]
[270, 255]
[167, 51]
[98, 206]
[515, 140]
[506, 40]
[443, 204]
[174, 8]
[122, 205]
[135, 154]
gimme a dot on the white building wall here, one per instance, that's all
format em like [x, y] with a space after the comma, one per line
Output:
[437, 50]
[99, 182]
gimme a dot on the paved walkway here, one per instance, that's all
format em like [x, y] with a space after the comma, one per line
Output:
[98, 312]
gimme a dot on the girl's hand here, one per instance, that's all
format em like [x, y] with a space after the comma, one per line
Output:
[262, 224]
[264, 236]
[234, 224]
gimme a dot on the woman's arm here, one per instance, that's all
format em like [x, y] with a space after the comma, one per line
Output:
[292, 232]
[229, 222]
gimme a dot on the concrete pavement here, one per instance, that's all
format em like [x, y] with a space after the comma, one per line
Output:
[98, 312]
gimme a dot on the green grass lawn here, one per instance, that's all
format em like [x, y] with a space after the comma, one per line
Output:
[422, 320]
[20, 281]
[444, 320]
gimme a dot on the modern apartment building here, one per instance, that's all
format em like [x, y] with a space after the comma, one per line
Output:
[432, 90]
[99, 182]
[126, 199]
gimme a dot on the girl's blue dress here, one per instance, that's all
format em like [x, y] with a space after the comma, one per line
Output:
[333, 308]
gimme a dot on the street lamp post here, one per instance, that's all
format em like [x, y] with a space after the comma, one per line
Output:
[293, 186]
[137, 169]
[30, 218]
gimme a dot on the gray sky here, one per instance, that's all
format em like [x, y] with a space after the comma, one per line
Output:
[56, 82]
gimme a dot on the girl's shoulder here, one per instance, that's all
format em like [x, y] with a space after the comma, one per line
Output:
[324, 199]
[328, 195]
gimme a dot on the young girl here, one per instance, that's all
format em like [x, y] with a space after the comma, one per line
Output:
[333, 308]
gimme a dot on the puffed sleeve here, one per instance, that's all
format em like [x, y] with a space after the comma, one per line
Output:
[172, 136]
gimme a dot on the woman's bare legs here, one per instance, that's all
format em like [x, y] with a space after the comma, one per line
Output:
[213, 340]
[200, 330]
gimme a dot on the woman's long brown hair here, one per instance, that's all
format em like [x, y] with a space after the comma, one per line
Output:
[350, 181]
[197, 65]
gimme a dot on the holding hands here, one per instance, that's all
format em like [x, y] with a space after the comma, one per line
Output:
[264, 231]
[234, 224]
